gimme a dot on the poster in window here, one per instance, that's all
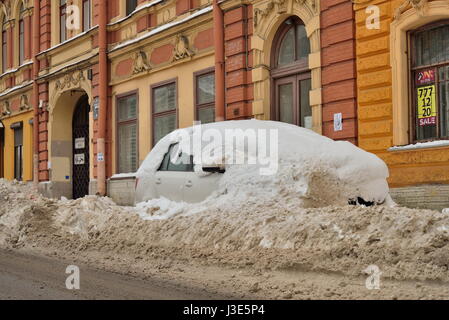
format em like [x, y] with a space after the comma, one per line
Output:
[425, 77]
[427, 110]
[79, 159]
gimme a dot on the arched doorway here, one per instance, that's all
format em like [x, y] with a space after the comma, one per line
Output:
[80, 139]
[2, 146]
[290, 74]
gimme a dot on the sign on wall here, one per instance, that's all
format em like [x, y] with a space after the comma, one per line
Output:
[80, 143]
[96, 107]
[79, 159]
[338, 122]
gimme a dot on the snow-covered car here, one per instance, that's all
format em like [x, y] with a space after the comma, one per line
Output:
[275, 160]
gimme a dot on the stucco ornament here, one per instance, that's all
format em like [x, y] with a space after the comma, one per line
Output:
[260, 14]
[6, 9]
[24, 105]
[182, 48]
[25, 3]
[5, 108]
[311, 3]
[279, 7]
[418, 5]
[141, 63]
[69, 80]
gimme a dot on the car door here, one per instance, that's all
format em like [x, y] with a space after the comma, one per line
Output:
[198, 187]
[170, 179]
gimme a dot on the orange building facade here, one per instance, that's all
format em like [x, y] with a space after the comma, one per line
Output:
[402, 92]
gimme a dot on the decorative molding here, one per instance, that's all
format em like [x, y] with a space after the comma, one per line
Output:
[311, 4]
[141, 63]
[24, 104]
[6, 8]
[280, 7]
[69, 80]
[260, 14]
[418, 5]
[6, 111]
[182, 48]
[26, 4]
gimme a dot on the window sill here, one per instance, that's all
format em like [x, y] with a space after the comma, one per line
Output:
[421, 145]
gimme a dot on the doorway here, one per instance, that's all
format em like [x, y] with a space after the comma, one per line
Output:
[80, 138]
[290, 74]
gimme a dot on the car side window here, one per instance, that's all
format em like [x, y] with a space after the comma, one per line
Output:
[174, 160]
[165, 162]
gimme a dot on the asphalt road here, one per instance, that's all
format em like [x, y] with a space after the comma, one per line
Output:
[25, 276]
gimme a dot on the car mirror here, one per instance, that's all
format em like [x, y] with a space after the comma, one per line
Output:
[214, 169]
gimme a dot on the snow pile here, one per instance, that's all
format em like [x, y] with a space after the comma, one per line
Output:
[309, 170]
[86, 216]
[11, 212]
[404, 243]
[160, 209]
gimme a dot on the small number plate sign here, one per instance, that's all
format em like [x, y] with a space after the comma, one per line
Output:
[80, 143]
[79, 159]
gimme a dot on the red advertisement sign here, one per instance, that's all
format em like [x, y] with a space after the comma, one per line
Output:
[431, 121]
[425, 76]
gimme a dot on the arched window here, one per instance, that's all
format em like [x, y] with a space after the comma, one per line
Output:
[291, 75]
[63, 20]
[4, 46]
[21, 36]
[430, 82]
[131, 5]
[86, 15]
[294, 45]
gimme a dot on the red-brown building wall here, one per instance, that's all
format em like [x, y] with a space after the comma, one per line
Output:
[338, 68]
[44, 13]
[239, 88]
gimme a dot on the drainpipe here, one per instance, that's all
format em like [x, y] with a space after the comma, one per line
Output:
[35, 46]
[220, 114]
[103, 95]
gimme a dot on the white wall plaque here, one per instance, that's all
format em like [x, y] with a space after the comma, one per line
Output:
[338, 122]
[79, 159]
[80, 143]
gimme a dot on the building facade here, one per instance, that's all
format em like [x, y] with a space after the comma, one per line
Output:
[16, 113]
[403, 99]
[89, 86]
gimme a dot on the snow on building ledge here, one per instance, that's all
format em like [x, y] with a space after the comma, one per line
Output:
[421, 145]
[161, 28]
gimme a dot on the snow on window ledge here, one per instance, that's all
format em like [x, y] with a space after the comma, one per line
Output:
[421, 145]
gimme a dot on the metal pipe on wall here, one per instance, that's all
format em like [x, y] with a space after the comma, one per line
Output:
[220, 104]
[103, 97]
[35, 48]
